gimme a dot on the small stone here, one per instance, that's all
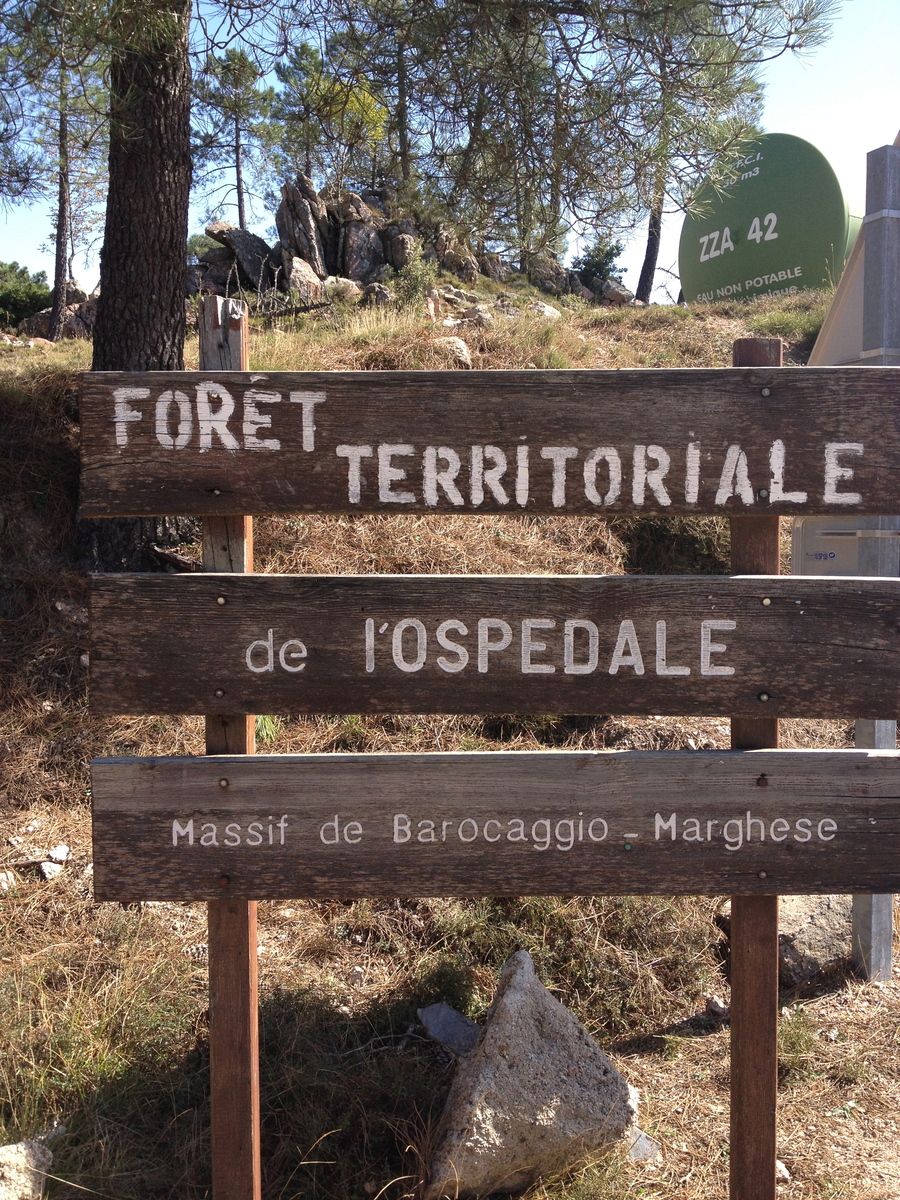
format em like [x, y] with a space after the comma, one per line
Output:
[357, 977]
[615, 292]
[338, 288]
[479, 315]
[540, 309]
[7, 880]
[456, 350]
[451, 1028]
[716, 1009]
[642, 1147]
[50, 870]
[377, 295]
[59, 854]
[23, 1168]
[781, 1171]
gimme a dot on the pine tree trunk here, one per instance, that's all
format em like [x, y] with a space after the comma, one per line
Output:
[141, 311]
[403, 115]
[61, 272]
[651, 255]
[141, 314]
[239, 175]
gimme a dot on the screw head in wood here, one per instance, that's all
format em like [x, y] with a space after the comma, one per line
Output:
[763, 493]
[766, 392]
[224, 880]
[217, 492]
[762, 781]
[764, 696]
[221, 600]
[766, 601]
[223, 783]
[220, 692]
[763, 875]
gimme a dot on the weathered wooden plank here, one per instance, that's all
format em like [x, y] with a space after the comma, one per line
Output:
[464, 644]
[742, 822]
[818, 440]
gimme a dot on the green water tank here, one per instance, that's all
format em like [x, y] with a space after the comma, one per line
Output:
[780, 225]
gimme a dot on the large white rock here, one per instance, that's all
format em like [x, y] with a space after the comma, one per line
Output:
[537, 1095]
[813, 935]
[454, 349]
[22, 1170]
[547, 311]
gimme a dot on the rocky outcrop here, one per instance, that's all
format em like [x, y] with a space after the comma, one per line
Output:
[255, 261]
[302, 279]
[363, 251]
[78, 321]
[453, 256]
[494, 267]
[401, 249]
[536, 1096]
[356, 236]
[302, 223]
[614, 292]
[552, 277]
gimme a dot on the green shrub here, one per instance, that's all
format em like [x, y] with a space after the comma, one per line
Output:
[598, 260]
[199, 243]
[414, 279]
[21, 293]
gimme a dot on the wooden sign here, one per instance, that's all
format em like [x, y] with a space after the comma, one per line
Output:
[734, 440]
[751, 646]
[719, 822]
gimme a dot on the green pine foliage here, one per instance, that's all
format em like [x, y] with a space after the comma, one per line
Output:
[22, 293]
[598, 261]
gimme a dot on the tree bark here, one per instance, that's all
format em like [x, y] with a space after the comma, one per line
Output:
[141, 313]
[651, 255]
[61, 272]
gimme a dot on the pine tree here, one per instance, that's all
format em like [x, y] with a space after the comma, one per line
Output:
[230, 112]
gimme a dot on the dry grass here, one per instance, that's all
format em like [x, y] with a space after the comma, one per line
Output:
[103, 1008]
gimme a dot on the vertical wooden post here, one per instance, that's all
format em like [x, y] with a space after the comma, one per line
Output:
[233, 993]
[873, 916]
[754, 919]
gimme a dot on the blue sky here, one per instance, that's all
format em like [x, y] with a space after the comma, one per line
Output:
[843, 97]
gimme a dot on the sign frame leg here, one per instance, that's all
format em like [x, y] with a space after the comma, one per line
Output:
[755, 550]
[232, 934]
